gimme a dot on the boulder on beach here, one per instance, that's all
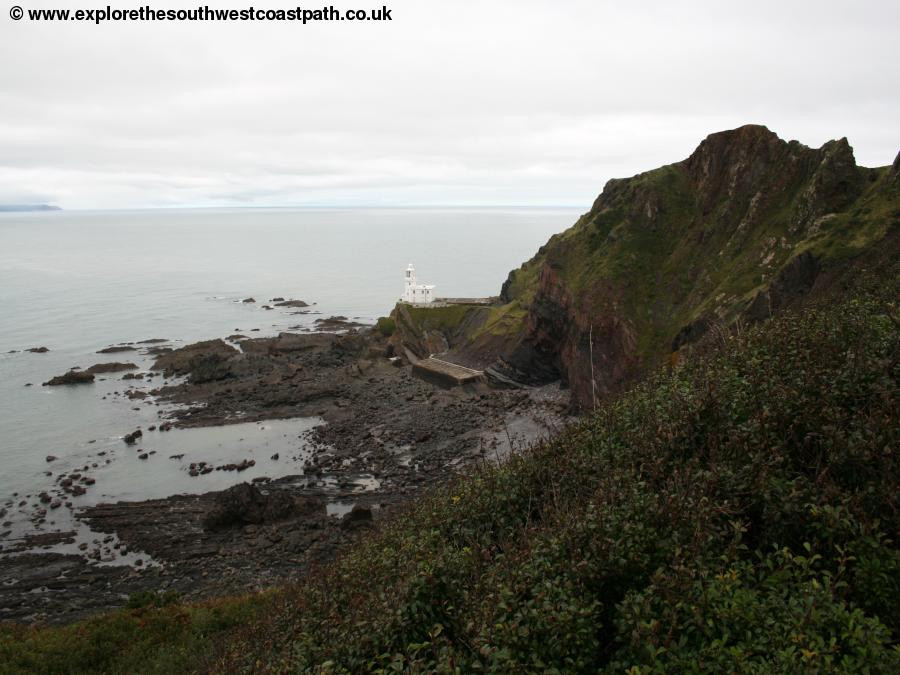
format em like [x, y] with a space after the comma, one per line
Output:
[72, 377]
[290, 303]
[38, 350]
[359, 516]
[249, 300]
[244, 504]
[111, 367]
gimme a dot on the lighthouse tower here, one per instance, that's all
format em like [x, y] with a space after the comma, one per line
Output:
[414, 292]
[410, 282]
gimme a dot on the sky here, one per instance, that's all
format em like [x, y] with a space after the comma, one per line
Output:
[452, 102]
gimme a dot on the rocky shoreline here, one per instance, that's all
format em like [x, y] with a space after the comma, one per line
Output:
[388, 435]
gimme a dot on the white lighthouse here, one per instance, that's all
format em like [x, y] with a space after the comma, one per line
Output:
[416, 293]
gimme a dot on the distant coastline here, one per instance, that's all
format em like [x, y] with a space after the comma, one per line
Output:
[18, 208]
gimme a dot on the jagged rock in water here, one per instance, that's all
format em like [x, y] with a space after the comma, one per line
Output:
[72, 377]
[204, 361]
[131, 439]
[115, 349]
[112, 367]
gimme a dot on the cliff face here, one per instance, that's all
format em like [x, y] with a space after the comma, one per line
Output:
[747, 225]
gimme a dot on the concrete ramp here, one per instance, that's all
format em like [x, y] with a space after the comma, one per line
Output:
[445, 373]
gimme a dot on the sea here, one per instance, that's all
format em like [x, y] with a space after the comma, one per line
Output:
[77, 282]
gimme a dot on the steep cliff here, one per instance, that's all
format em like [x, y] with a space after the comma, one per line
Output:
[747, 225]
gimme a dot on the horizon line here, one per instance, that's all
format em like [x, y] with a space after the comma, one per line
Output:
[311, 207]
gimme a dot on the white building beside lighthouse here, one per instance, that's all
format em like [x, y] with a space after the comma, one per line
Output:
[416, 293]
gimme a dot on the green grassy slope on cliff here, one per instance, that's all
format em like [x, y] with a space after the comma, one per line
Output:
[435, 329]
[732, 514]
[476, 334]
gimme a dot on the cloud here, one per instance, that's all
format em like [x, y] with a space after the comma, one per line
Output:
[464, 102]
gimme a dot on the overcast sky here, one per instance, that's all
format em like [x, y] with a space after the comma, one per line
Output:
[452, 102]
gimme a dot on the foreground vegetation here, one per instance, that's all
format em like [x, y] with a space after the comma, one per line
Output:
[152, 634]
[735, 513]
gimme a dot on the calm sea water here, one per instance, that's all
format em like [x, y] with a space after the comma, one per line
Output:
[77, 282]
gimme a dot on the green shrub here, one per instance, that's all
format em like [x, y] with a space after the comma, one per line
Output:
[386, 326]
[782, 613]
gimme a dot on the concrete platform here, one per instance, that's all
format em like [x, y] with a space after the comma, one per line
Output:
[446, 373]
[467, 301]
